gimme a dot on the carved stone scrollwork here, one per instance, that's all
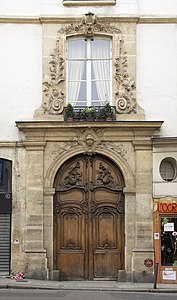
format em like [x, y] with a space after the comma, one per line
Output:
[125, 95]
[53, 92]
[88, 26]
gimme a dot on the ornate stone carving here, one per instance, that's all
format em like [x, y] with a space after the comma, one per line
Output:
[119, 149]
[125, 95]
[88, 26]
[53, 92]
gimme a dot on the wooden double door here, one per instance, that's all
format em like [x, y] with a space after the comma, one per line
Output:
[88, 219]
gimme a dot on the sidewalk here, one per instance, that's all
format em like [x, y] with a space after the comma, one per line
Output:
[86, 285]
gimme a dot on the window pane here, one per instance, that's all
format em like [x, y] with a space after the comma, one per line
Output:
[105, 90]
[76, 49]
[76, 70]
[100, 69]
[100, 48]
[77, 92]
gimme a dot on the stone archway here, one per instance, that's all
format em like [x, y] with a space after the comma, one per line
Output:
[88, 219]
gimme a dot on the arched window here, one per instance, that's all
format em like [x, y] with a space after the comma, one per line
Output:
[89, 70]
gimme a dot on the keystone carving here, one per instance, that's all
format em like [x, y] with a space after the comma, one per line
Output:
[88, 26]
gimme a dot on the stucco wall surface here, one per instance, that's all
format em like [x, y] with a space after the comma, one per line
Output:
[20, 75]
[157, 73]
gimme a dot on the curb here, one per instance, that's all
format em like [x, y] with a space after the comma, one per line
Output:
[62, 288]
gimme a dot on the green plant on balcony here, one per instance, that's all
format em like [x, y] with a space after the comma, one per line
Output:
[88, 113]
[69, 111]
[107, 111]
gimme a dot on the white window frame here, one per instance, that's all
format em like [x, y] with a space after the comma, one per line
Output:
[88, 68]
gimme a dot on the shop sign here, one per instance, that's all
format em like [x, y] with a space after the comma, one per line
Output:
[167, 207]
[148, 262]
[168, 274]
[169, 227]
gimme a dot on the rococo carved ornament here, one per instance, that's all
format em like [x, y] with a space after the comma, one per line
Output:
[90, 141]
[125, 95]
[89, 25]
[53, 92]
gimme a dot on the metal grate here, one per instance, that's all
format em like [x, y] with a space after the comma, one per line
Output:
[5, 238]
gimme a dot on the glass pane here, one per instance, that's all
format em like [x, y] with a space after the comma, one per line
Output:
[77, 92]
[100, 48]
[5, 176]
[100, 90]
[169, 241]
[76, 49]
[100, 69]
[76, 70]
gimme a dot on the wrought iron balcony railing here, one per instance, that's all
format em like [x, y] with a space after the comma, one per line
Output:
[90, 113]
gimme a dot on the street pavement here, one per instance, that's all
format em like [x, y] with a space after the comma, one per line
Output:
[86, 285]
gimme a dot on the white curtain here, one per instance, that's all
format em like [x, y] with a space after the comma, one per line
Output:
[76, 50]
[101, 68]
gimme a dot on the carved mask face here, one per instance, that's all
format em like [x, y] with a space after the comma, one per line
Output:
[89, 140]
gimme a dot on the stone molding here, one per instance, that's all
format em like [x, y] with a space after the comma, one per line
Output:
[88, 2]
[53, 19]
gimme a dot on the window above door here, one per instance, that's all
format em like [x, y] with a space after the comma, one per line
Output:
[89, 70]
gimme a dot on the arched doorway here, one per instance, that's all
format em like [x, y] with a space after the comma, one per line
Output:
[88, 219]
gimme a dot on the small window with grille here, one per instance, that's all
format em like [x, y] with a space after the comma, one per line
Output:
[168, 169]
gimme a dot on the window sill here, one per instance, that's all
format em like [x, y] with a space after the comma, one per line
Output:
[88, 2]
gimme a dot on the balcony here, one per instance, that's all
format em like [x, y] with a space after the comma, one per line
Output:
[89, 113]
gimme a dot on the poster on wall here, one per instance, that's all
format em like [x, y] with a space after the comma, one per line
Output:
[169, 227]
[169, 274]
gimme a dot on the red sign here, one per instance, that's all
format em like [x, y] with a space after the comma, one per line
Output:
[167, 207]
[148, 262]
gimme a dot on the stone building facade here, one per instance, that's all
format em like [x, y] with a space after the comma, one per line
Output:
[83, 192]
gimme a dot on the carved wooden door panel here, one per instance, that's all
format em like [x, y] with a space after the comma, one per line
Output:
[88, 219]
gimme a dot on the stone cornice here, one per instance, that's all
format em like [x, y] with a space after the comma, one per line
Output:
[164, 141]
[66, 131]
[20, 19]
[60, 19]
[9, 144]
[44, 125]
